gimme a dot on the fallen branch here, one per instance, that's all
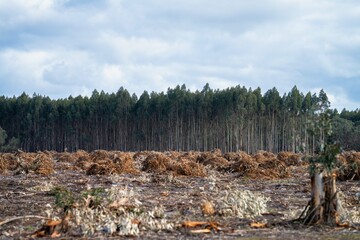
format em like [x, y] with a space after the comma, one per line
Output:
[312, 215]
[303, 212]
[22, 217]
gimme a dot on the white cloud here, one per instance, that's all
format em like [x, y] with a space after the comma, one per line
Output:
[17, 12]
[112, 72]
[140, 49]
[22, 70]
[74, 46]
[338, 98]
[66, 67]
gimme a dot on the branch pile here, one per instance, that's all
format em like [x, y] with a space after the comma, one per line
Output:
[348, 165]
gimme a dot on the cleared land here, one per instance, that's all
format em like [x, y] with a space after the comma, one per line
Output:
[171, 195]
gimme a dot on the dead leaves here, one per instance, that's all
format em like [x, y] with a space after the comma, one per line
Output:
[193, 224]
[116, 204]
[20, 217]
[165, 194]
[258, 225]
[205, 227]
[343, 225]
[206, 230]
[210, 226]
[208, 208]
[53, 228]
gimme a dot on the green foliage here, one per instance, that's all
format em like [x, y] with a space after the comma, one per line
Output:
[231, 119]
[346, 133]
[96, 195]
[12, 144]
[64, 198]
[319, 123]
[322, 128]
[3, 136]
[326, 160]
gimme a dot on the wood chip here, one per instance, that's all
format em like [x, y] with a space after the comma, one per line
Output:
[214, 226]
[201, 231]
[135, 221]
[38, 234]
[208, 208]
[55, 234]
[192, 224]
[258, 225]
[52, 223]
[165, 194]
[21, 217]
[343, 225]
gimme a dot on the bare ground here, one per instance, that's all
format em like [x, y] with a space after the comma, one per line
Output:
[180, 198]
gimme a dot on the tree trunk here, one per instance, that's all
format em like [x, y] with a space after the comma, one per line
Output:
[331, 204]
[324, 207]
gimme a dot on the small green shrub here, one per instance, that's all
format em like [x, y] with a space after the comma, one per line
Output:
[64, 198]
[97, 196]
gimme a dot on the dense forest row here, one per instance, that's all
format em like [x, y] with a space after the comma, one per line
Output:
[233, 119]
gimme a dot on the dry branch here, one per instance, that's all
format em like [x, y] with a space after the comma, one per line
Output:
[22, 217]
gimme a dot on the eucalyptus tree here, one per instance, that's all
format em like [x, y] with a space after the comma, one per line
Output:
[272, 101]
[3, 136]
[324, 206]
[231, 119]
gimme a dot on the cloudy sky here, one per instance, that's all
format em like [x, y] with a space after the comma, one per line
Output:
[59, 48]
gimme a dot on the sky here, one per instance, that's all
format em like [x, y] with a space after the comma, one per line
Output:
[59, 48]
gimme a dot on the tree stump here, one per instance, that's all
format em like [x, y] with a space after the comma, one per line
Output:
[324, 206]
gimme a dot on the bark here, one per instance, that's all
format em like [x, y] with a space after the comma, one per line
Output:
[324, 206]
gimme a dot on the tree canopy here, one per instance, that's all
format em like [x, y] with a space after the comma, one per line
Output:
[231, 119]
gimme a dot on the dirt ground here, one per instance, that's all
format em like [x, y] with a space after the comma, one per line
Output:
[193, 196]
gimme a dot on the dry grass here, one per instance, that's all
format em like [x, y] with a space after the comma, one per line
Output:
[348, 166]
[232, 156]
[158, 163]
[125, 164]
[10, 161]
[83, 164]
[207, 208]
[173, 154]
[290, 158]
[66, 157]
[184, 165]
[81, 154]
[3, 165]
[102, 167]
[243, 164]
[142, 155]
[42, 164]
[263, 156]
[218, 163]
[214, 159]
[99, 155]
[202, 157]
[111, 163]
[190, 168]
[23, 163]
[261, 165]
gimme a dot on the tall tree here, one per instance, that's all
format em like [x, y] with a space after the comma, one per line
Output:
[231, 119]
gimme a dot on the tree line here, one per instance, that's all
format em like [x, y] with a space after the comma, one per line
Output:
[232, 119]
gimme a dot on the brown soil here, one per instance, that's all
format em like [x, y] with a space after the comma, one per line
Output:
[191, 190]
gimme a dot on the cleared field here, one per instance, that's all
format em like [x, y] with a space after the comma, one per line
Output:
[171, 195]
